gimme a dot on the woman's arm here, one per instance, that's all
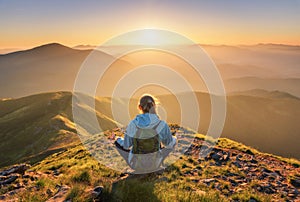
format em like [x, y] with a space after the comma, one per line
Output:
[166, 136]
[127, 141]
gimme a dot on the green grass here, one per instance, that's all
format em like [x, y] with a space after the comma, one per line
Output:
[74, 193]
[82, 177]
[81, 172]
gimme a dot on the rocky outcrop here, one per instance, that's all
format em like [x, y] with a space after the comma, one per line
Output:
[8, 178]
[264, 173]
[20, 169]
[61, 194]
[9, 175]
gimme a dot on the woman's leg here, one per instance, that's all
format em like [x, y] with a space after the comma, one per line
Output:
[123, 152]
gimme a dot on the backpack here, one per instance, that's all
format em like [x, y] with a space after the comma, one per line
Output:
[146, 155]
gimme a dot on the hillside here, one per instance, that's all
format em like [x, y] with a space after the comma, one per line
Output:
[231, 172]
[268, 121]
[33, 127]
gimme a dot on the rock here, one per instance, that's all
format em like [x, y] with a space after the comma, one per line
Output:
[19, 185]
[239, 190]
[216, 156]
[246, 168]
[295, 182]
[208, 181]
[96, 193]
[3, 178]
[60, 195]
[230, 174]
[278, 172]
[237, 164]
[196, 180]
[243, 184]
[123, 174]
[226, 156]
[56, 172]
[20, 169]
[2, 197]
[49, 192]
[267, 188]
[188, 172]
[252, 200]
[238, 157]
[220, 157]
[26, 176]
[9, 179]
[248, 151]
[266, 170]
[293, 193]
[233, 182]
[11, 193]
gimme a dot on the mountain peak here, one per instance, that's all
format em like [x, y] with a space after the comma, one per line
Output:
[52, 46]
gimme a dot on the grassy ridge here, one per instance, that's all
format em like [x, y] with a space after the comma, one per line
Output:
[36, 126]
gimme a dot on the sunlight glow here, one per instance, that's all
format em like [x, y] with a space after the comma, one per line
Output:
[148, 37]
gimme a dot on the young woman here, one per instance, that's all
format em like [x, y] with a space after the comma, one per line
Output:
[131, 148]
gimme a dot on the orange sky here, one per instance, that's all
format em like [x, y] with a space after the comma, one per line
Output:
[32, 23]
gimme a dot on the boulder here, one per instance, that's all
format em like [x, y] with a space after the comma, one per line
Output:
[295, 183]
[60, 195]
[96, 193]
[11, 178]
[20, 169]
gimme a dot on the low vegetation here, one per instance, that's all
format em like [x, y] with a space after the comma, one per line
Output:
[188, 179]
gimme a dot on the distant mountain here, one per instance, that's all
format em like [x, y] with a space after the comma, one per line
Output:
[85, 47]
[289, 85]
[53, 67]
[50, 67]
[265, 94]
[262, 60]
[8, 50]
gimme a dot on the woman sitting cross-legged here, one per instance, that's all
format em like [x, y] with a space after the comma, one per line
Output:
[144, 137]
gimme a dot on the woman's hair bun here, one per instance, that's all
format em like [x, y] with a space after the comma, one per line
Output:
[147, 103]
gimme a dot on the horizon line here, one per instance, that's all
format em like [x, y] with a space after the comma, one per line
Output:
[16, 49]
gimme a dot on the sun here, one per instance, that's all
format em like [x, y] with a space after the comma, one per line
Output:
[151, 37]
[148, 37]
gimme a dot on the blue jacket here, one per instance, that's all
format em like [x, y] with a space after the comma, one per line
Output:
[147, 120]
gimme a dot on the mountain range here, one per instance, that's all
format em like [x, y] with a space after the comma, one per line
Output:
[53, 67]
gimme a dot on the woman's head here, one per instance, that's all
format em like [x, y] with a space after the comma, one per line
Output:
[147, 104]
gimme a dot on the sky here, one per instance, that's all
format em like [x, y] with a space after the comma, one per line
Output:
[30, 23]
